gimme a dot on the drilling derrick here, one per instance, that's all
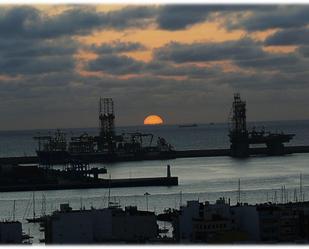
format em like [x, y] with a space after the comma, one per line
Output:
[241, 138]
[107, 125]
[238, 131]
[239, 116]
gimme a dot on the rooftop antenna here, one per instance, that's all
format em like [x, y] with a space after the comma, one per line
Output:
[275, 198]
[180, 199]
[266, 196]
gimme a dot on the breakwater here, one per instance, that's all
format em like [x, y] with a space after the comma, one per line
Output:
[103, 183]
[175, 154]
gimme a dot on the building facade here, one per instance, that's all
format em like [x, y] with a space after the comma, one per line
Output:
[101, 225]
[10, 232]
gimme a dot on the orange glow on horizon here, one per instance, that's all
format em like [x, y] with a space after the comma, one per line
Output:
[153, 120]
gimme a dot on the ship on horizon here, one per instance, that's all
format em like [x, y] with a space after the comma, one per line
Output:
[187, 125]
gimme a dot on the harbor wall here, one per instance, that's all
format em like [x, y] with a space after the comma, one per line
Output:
[176, 154]
[103, 183]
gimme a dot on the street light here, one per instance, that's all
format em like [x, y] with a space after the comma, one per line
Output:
[146, 195]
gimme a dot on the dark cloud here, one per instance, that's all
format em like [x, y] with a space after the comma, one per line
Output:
[245, 53]
[16, 21]
[17, 66]
[161, 68]
[28, 22]
[296, 36]
[32, 48]
[177, 17]
[304, 51]
[201, 52]
[109, 61]
[117, 47]
[282, 16]
[274, 61]
[131, 17]
[24, 56]
[114, 64]
[49, 92]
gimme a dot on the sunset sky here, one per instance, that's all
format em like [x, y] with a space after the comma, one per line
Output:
[181, 62]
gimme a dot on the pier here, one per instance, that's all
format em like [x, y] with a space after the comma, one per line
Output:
[76, 175]
[176, 154]
[103, 183]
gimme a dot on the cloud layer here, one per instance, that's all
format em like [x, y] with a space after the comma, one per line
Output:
[55, 66]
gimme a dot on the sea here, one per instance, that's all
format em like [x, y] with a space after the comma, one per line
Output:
[261, 178]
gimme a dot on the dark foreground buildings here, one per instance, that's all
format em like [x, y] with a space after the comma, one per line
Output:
[195, 223]
[255, 224]
[107, 225]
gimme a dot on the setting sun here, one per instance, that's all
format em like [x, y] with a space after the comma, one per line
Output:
[153, 120]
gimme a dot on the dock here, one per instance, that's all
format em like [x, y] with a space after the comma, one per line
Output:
[103, 183]
[176, 154]
[227, 152]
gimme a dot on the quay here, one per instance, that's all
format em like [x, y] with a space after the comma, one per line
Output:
[176, 154]
[227, 152]
[103, 183]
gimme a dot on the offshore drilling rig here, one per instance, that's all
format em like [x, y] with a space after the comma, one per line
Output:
[241, 138]
[107, 125]
[106, 147]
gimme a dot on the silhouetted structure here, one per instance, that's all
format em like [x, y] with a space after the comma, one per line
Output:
[241, 138]
[107, 125]
[106, 147]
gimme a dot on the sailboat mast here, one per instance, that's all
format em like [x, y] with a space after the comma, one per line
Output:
[14, 211]
[43, 211]
[109, 190]
[300, 188]
[33, 205]
[180, 200]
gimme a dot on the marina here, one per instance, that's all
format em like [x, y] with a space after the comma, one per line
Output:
[209, 179]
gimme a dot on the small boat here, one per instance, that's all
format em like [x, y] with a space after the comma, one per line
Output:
[36, 219]
[42, 218]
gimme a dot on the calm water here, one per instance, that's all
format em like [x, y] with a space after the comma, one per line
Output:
[199, 178]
